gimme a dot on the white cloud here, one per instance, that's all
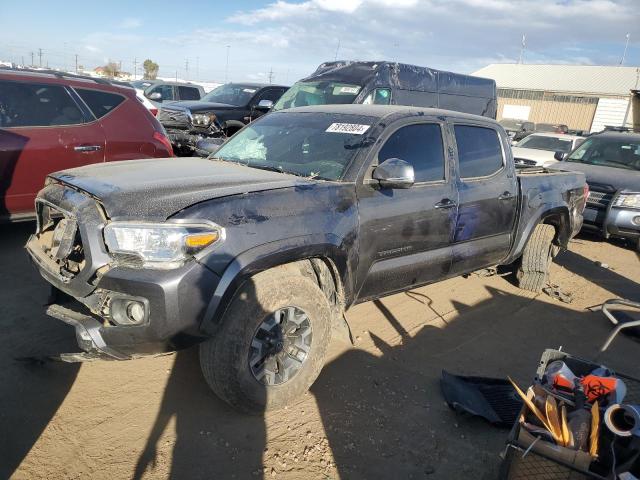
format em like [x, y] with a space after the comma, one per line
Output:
[91, 48]
[130, 22]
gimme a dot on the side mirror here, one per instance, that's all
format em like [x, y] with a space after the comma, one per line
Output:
[559, 156]
[394, 173]
[208, 146]
[264, 105]
[155, 96]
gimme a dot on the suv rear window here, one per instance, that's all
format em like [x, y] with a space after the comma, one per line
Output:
[36, 105]
[479, 151]
[99, 102]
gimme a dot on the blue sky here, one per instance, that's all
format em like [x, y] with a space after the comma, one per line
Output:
[291, 37]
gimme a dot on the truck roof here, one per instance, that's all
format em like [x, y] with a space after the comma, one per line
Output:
[381, 111]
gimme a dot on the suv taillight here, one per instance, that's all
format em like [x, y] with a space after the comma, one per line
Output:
[164, 141]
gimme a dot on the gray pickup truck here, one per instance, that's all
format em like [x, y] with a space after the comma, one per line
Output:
[256, 252]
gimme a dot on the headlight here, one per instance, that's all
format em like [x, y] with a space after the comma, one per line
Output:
[627, 200]
[160, 245]
[203, 119]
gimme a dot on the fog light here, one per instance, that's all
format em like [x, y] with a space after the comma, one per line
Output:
[135, 312]
[636, 220]
[128, 311]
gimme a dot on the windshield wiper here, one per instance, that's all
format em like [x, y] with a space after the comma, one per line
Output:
[269, 168]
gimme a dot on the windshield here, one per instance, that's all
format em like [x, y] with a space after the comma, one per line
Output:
[309, 145]
[510, 124]
[614, 152]
[231, 94]
[551, 144]
[317, 93]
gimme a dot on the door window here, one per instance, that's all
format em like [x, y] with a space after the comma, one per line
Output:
[188, 93]
[272, 94]
[421, 146]
[380, 96]
[165, 90]
[479, 151]
[33, 105]
[100, 103]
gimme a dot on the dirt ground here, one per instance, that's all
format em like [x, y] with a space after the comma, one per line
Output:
[375, 412]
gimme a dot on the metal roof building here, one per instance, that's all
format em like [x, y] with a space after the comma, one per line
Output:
[584, 97]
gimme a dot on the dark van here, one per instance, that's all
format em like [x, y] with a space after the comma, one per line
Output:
[391, 83]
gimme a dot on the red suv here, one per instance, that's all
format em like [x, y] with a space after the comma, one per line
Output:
[51, 121]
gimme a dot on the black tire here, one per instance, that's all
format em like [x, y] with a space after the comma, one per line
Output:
[224, 359]
[533, 269]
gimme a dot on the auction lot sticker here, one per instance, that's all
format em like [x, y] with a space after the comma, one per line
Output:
[352, 128]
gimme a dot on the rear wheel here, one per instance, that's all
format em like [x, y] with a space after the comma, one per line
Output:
[533, 268]
[272, 344]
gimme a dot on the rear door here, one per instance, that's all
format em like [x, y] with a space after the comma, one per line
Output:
[188, 93]
[487, 195]
[43, 129]
[125, 122]
[405, 234]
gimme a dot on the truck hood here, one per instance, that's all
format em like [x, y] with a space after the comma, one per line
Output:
[199, 106]
[159, 188]
[618, 178]
[538, 156]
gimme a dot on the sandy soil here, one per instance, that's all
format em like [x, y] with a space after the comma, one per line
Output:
[375, 412]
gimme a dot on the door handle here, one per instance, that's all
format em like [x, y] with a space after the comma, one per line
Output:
[87, 148]
[445, 203]
[506, 196]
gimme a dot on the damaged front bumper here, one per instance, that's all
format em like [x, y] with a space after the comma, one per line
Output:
[187, 140]
[172, 301]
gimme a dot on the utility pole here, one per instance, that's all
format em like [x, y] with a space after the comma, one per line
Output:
[271, 75]
[186, 68]
[226, 68]
[624, 54]
[135, 67]
[76, 63]
[32, 55]
[40, 56]
[22, 60]
[337, 50]
[524, 45]
[176, 76]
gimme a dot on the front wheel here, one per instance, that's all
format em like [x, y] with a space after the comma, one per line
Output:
[272, 343]
[533, 268]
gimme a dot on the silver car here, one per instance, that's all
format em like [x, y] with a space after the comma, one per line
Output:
[611, 163]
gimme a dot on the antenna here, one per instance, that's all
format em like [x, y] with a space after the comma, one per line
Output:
[522, 49]
[624, 54]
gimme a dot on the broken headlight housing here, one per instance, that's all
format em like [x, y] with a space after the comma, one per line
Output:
[202, 119]
[627, 200]
[160, 245]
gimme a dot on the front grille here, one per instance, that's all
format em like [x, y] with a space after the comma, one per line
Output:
[173, 118]
[59, 238]
[525, 161]
[599, 199]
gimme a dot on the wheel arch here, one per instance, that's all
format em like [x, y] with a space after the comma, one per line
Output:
[326, 264]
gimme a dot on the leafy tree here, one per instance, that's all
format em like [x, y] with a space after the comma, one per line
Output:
[150, 69]
[111, 69]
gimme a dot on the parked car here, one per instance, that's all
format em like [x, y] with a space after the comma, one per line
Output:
[542, 148]
[221, 112]
[611, 162]
[147, 104]
[391, 83]
[51, 121]
[552, 128]
[143, 84]
[257, 251]
[517, 129]
[161, 92]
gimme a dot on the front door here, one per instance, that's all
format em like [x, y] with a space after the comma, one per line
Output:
[405, 234]
[488, 194]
